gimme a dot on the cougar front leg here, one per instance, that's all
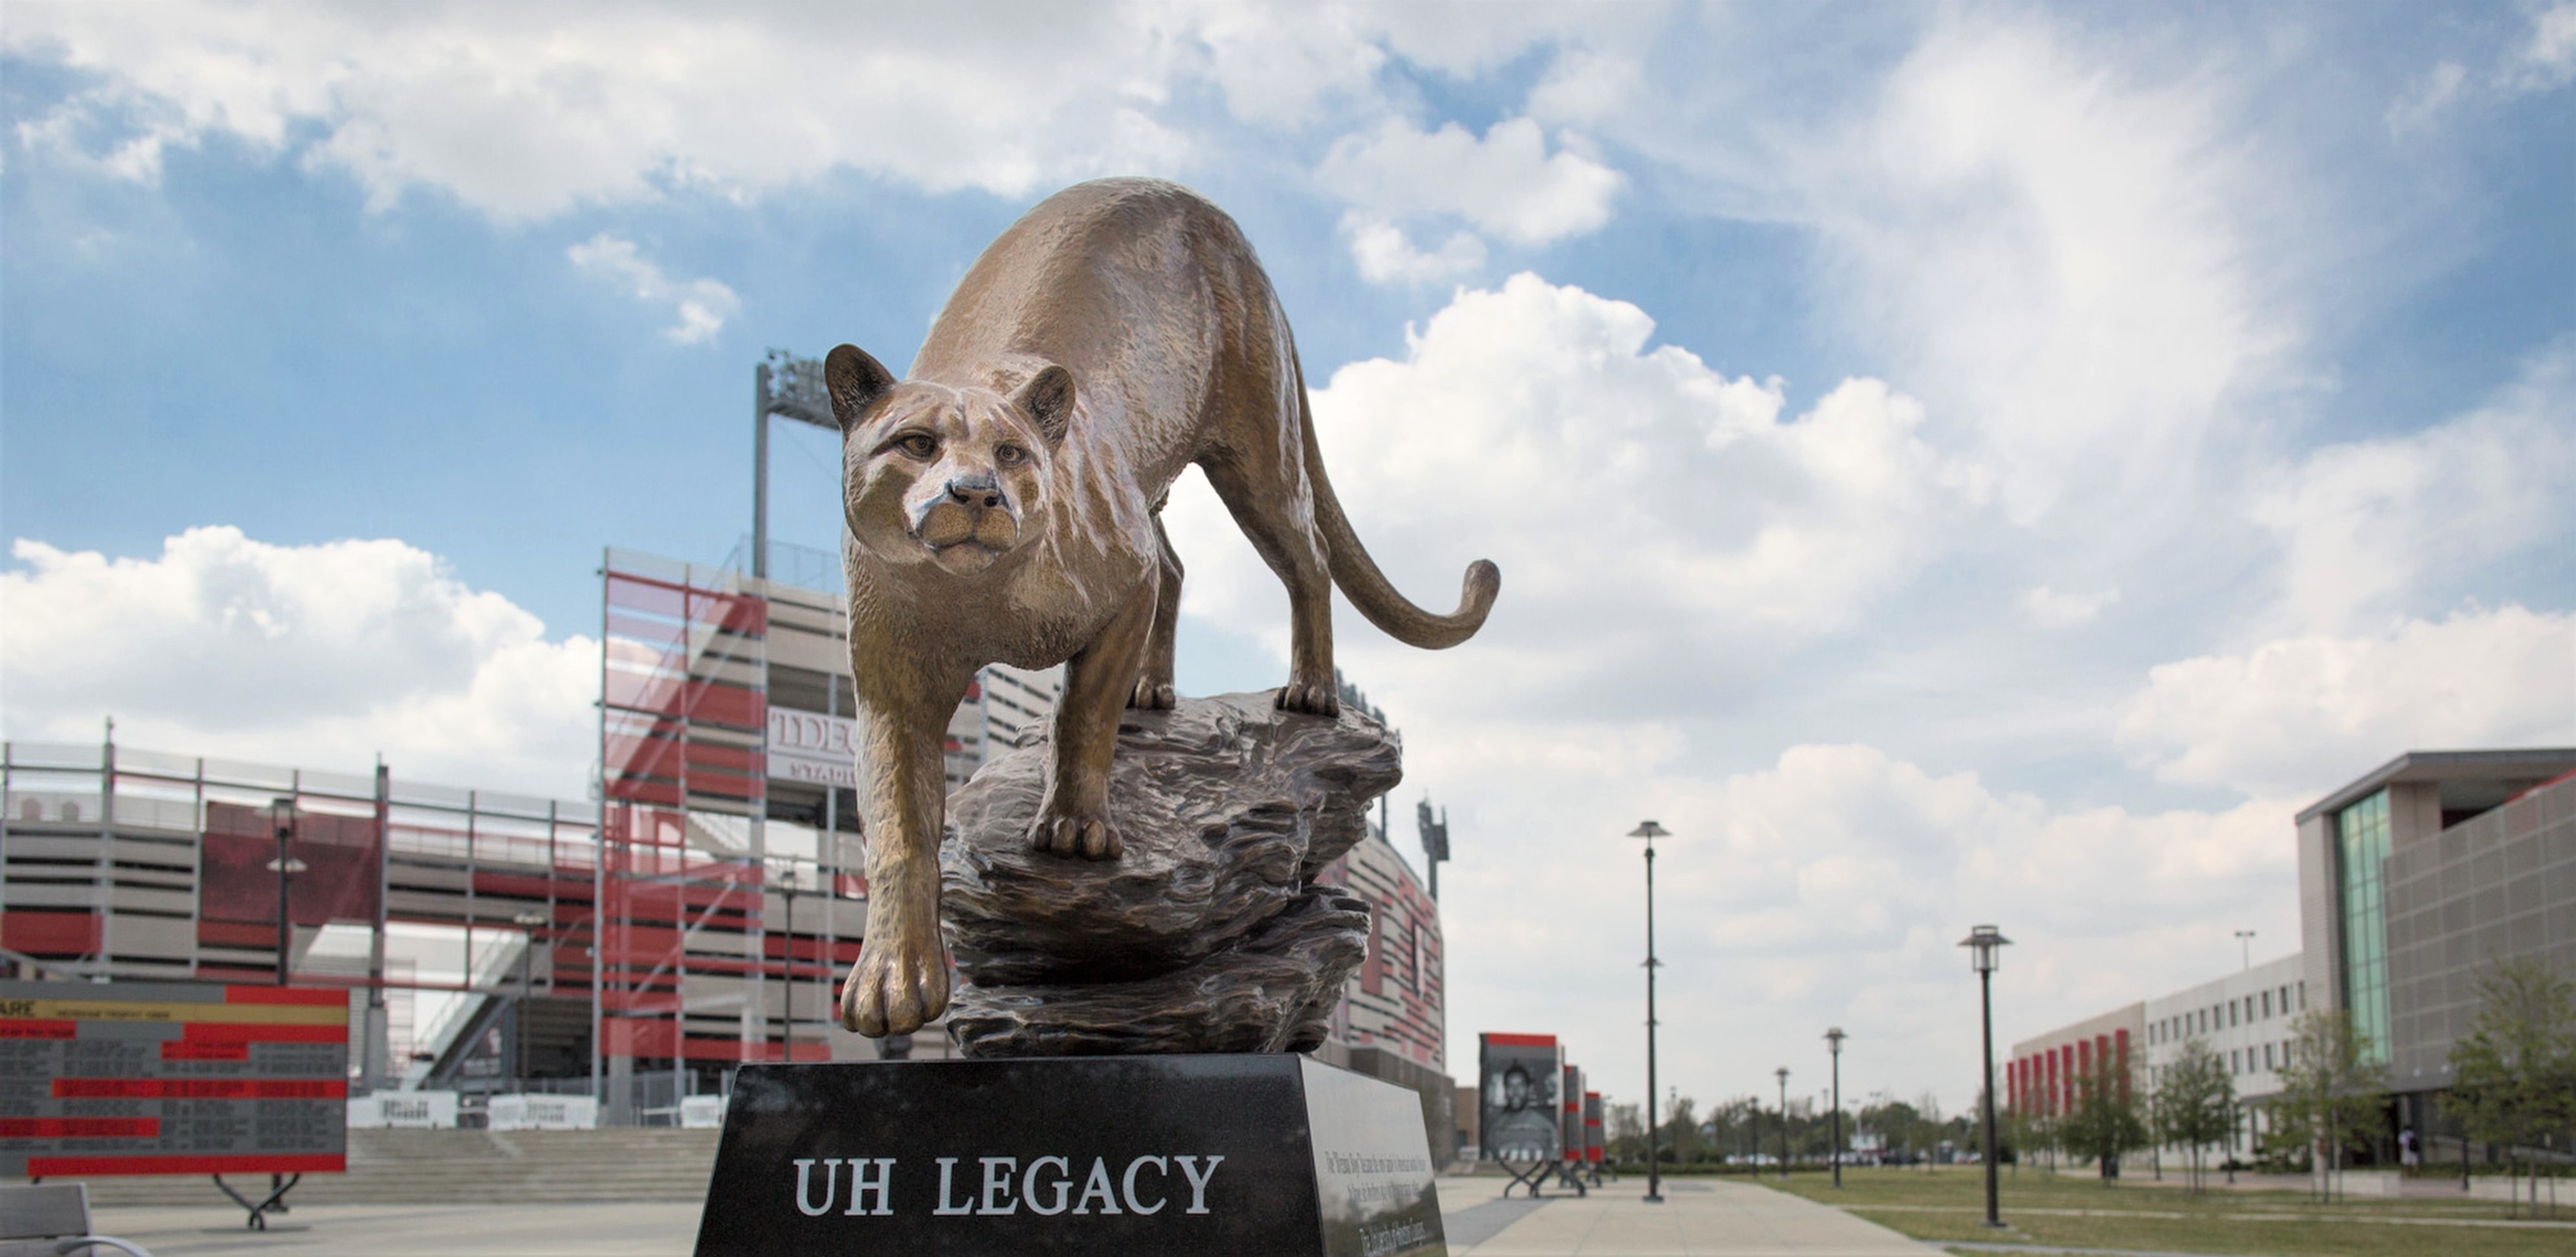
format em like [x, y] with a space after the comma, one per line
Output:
[1154, 683]
[901, 979]
[1074, 818]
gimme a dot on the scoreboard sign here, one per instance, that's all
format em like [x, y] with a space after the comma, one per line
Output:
[172, 1078]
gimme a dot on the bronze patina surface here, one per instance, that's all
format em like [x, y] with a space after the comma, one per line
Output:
[1004, 506]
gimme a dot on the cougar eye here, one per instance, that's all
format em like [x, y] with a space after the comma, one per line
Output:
[1010, 455]
[917, 444]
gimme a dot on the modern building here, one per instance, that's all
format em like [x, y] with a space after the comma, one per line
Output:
[2046, 1076]
[2244, 1018]
[2412, 878]
[2418, 874]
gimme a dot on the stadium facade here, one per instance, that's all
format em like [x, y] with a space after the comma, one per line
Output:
[696, 914]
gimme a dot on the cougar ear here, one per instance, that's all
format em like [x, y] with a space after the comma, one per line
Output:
[1048, 397]
[854, 379]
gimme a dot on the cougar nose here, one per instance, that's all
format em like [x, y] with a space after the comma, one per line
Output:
[981, 491]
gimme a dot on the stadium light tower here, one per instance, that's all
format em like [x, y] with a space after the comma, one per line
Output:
[792, 388]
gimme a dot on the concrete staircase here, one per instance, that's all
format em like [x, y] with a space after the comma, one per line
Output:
[452, 1167]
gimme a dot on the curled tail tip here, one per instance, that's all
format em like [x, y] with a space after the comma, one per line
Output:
[1475, 598]
[1484, 580]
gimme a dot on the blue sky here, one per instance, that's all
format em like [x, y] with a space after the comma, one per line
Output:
[1948, 462]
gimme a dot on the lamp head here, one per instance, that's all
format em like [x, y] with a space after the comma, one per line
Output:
[1834, 1037]
[1649, 831]
[1984, 942]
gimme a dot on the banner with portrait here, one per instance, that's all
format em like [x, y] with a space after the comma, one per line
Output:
[1517, 1109]
[1570, 1115]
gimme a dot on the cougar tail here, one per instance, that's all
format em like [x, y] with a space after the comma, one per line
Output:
[1367, 587]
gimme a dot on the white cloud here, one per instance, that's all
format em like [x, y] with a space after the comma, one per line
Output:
[2052, 255]
[2546, 57]
[1506, 183]
[702, 305]
[2424, 101]
[524, 113]
[317, 656]
[2050, 609]
[2297, 716]
[1388, 256]
[1532, 425]
[1824, 888]
[1583, 87]
[528, 112]
[1279, 64]
[2367, 523]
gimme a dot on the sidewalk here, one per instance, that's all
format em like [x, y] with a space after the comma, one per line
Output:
[571, 1230]
[1698, 1217]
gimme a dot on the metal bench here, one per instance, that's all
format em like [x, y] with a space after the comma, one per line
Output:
[51, 1220]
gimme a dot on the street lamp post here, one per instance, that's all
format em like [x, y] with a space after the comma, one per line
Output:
[527, 919]
[787, 968]
[1783, 1072]
[1651, 831]
[282, 812]
[1984, 943]
[1834, 1040]
[2245, 944]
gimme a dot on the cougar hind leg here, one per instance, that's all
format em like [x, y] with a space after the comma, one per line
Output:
[1267, 493]
[1154, 684]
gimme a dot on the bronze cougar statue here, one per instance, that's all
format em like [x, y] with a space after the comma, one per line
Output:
[1004, 506]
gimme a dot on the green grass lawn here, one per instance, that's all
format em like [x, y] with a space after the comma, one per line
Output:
[2079, 1210]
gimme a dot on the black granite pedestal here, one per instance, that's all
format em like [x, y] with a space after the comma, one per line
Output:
[1261, 1155]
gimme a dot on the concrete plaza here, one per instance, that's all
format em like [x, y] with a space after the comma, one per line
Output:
[1698, 1217]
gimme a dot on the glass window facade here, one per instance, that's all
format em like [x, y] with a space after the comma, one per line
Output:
[2361, 844]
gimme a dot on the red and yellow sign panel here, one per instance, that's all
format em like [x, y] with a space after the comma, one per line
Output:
[172, 1078]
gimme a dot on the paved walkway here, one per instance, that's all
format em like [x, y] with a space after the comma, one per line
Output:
[578, 1230]
[1701, 1218]
[1696, 1218]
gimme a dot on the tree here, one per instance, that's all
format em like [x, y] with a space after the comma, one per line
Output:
[2332, 1094]
[2105, 1121]
[1894, 1122]
[2513, 1078]
[1627, 1132]
[2194, 1104]
[2021, 1135]
[1681, 1128]
[1731, 1127]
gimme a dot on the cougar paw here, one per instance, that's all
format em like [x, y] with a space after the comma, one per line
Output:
[1313, 698]
[1071, 832]
[897, 986]
[1152, 695]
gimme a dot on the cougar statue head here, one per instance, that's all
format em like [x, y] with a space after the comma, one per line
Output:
[941, 474]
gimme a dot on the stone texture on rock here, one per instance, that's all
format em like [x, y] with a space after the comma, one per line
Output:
[1208, 933]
